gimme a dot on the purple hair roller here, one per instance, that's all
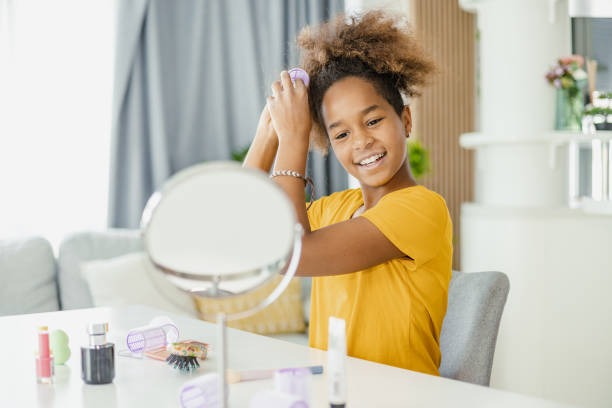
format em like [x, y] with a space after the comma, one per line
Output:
[296, 73]
[201, 392]
[294, 381]
[276, 399]
[158, 333]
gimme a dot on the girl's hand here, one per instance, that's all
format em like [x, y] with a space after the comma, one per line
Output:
[265, 130]
[289, 110]
[263, 150]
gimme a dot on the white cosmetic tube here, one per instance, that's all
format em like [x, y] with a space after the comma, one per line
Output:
[336, 363]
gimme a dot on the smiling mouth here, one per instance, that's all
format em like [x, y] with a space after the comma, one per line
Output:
[372, 160]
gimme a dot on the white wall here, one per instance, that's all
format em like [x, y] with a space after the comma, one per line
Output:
[555, 332]
[402, 6]
[555, 335]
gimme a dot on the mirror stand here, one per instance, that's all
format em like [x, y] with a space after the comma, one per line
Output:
[222, 357]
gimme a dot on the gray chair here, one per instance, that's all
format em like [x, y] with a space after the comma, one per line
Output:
[469, 332]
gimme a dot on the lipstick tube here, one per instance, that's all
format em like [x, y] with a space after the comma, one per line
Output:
[44, 358]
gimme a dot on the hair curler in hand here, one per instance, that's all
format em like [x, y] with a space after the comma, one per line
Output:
[296, 73]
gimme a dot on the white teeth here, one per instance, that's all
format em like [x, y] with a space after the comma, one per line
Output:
[371, 159]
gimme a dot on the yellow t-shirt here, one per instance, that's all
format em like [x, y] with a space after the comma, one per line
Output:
[393, 311]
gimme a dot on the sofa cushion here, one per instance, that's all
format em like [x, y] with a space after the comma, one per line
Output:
[27, 277]
[83, 247]
[283, 315]
[132, 279]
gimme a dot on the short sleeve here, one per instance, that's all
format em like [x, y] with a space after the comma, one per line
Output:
[315, 213]
[414, 220]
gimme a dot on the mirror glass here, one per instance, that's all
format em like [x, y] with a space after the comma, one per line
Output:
[221, 230]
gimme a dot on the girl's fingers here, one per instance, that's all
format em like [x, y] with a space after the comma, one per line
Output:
[276, 88]
[286, 80]
[299, 84]
[264, 111]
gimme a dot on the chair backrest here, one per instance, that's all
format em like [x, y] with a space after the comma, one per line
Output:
[469, 332]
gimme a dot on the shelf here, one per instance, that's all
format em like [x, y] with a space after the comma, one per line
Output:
[538, 213]
[477, 139]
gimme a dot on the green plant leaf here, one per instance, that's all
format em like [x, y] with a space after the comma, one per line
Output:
[597, 111]
[240, 154]
[418, 158]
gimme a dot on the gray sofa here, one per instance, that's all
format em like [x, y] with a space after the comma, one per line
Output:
[33, 280]
[28, 277]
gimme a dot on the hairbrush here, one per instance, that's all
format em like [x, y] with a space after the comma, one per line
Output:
[295, 73]
[184, 355]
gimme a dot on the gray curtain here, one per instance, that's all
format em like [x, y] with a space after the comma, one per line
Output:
[191, 79]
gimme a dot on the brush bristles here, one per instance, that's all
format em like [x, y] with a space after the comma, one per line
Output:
[183, 363]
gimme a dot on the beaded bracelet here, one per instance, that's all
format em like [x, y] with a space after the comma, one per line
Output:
[307, 180]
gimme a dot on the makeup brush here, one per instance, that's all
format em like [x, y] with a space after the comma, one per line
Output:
[234, 376]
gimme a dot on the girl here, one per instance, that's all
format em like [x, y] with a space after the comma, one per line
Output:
[380, 255]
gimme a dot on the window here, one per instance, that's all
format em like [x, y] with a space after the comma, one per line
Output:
[56, 68]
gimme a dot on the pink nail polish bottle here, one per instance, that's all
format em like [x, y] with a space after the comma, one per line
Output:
[44, 358]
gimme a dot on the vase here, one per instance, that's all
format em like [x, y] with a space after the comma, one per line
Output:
[570, 105]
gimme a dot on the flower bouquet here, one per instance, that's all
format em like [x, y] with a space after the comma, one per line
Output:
[569, 79]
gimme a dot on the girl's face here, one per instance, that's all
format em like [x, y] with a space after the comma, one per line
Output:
[366, 134]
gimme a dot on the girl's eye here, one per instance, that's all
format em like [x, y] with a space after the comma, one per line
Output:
[341, 135]
[374, 121]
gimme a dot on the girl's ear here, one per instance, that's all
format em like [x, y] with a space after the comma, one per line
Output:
[407, 120]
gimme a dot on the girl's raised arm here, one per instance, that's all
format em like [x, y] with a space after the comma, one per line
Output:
[262, 152]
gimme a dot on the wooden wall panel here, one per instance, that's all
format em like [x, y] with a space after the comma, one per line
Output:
[447, 108]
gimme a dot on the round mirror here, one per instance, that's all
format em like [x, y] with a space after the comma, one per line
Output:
[220, 230]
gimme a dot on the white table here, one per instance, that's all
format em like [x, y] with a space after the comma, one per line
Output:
[149, 383]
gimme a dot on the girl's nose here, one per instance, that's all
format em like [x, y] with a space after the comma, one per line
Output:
[362, 140]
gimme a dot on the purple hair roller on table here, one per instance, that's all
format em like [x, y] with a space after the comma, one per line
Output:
[276, 399]
[201, 392]
[160, 332]
[296, 73]
[294, 381]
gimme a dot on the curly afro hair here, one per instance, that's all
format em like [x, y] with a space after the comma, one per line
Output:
[375, 46]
